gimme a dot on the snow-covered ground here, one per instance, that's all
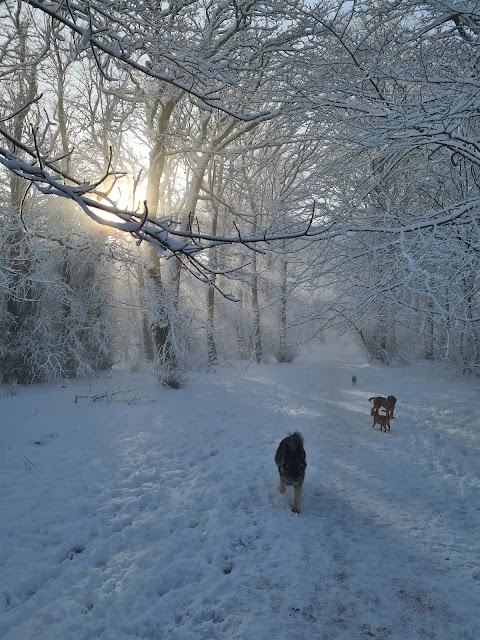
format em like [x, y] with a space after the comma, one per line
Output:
[156, 514]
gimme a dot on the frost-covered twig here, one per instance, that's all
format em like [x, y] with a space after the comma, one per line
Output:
[118, 394]
[29, 464]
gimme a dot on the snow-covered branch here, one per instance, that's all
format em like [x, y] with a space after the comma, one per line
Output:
[130, 37]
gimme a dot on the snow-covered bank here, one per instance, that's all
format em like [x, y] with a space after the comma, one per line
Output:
[163, 519]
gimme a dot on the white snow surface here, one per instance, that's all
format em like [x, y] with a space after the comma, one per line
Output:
[156, 514]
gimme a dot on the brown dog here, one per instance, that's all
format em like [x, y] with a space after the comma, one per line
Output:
[387, 403]
[379, 418]
[292, 462]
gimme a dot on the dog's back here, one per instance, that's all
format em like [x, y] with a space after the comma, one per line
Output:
[387, 403]
[378, 402]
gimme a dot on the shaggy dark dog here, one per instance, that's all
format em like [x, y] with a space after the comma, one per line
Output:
[292, 462]
[354, 380]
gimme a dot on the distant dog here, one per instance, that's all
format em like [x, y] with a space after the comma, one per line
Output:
[354, 380]
[292, 462]
[387, 403]
[379, 418]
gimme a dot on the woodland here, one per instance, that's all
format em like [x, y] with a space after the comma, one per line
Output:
[190, 182]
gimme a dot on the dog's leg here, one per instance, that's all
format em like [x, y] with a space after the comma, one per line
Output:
[282, 486]
[297, 494]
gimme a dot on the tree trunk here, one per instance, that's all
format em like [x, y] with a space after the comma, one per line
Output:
[20, 297]
[430, 328]
[211, 346]
[160, 345]
[257, 341]
[191, 201]
[283, 355]
[160, 323]
[157, 158]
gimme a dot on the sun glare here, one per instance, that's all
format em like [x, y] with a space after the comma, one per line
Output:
[125, 195]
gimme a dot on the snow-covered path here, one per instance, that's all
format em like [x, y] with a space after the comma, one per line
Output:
[163, 519]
